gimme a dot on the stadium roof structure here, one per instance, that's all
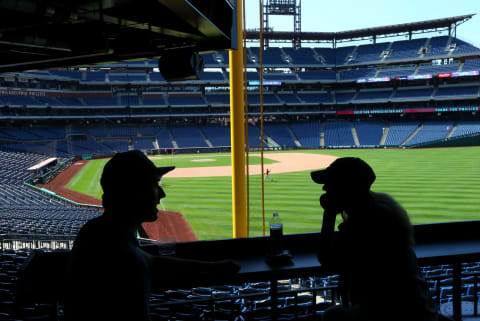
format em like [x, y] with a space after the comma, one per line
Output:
[427, 26]
[52, 33]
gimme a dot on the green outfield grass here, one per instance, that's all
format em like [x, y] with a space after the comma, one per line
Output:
[434, 185]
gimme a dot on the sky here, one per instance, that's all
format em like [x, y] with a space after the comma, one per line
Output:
[342, 15]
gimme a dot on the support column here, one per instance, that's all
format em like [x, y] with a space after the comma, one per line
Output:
[239, 213]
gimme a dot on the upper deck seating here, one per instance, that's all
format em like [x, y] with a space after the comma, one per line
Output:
[326, 55]
[302, 56]
[462, 47]
[271, 57]
[437, 46]
[369, 53]
[406, 49]
[344, 54]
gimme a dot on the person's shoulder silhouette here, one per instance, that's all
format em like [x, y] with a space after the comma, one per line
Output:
[372, 250]
[109, 276]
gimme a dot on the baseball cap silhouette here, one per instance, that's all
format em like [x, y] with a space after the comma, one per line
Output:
[130, 168]
[347, 170]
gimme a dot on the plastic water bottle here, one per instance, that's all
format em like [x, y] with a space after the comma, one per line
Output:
[276, 235]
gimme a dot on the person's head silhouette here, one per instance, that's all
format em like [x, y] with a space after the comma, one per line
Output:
[347, 182]
[130, 186]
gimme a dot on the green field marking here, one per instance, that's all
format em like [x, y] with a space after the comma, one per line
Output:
[434, 185]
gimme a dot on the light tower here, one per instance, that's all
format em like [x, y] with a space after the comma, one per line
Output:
[284, 8]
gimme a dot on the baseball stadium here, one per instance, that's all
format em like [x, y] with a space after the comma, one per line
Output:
[410, 108]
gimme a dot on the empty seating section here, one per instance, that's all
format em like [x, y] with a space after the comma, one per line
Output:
[471, 64]
[117, 145]
[97, 76]
[270, 57]
[318, 75]
[370, 132]
[98, 131]
[254, 137]
[280, 134]
[188, 137]
[101, 101]
[127, 77]
[344, 54]
[454, 92]
[143, 143]
[344, 97]
[69, 101]
[466, 128]
[403, 94]
[217, 135]
[212, 76]
[317, 98]
[436, 69]
[399, 132]
[369, 53]
[209, 60]
[289, 98]
[406, 49]
[268, 99]
[355, 74]
[18, 100]
[281, 76]
[397, 72]
[19, 134]
[219, 99]
[338, 133]
[326, 55]
[307, 133]
[302, 56]
[124, 131]
[131, 100]
[155, 76]
[431, 131]
[437, 46]
[369, 95]
[462, 47]
[186, 100]
[67, 74]
[153, 101]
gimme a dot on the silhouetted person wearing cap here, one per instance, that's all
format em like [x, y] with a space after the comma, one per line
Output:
[109, 274]
[372, 252]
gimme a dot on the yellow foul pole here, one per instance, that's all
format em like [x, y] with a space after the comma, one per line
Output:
[237, 133]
